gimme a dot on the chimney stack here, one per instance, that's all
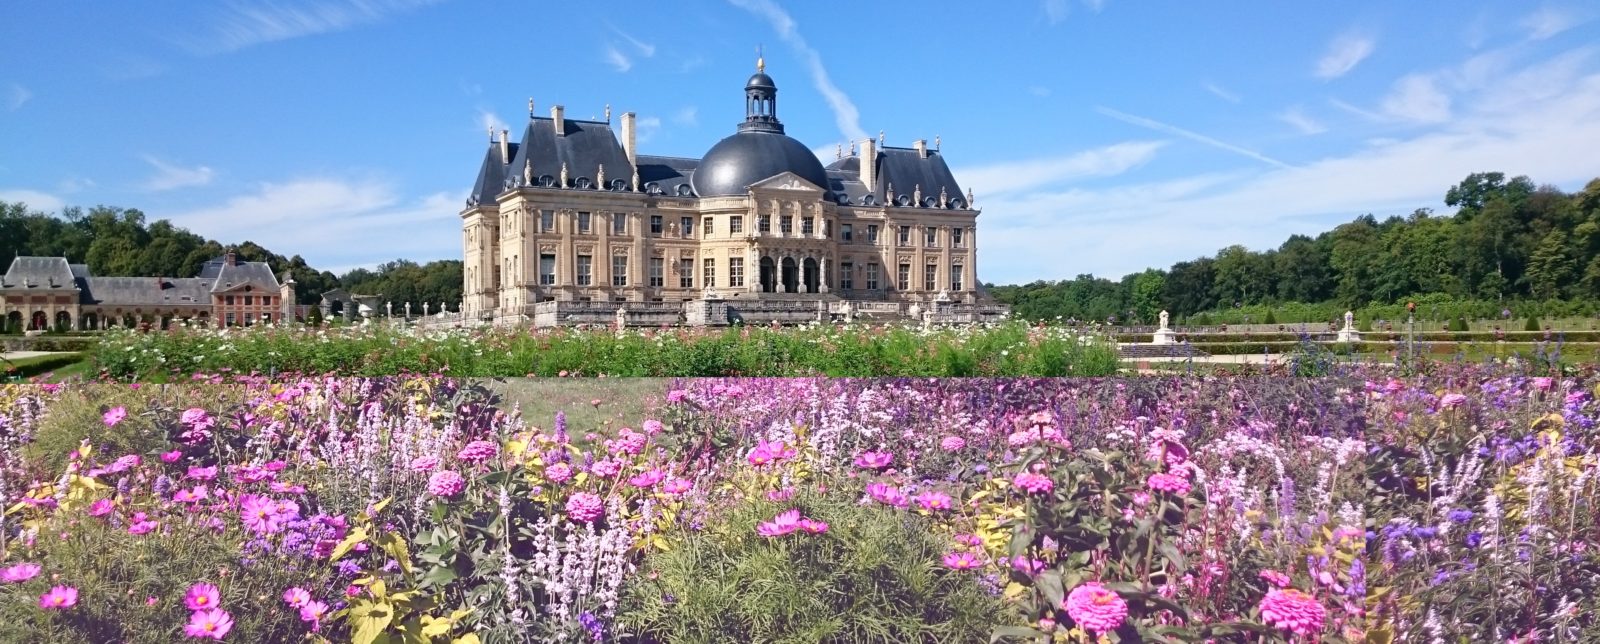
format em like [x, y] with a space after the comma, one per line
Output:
[505, 147]
[556, 115]
[922, 148]
[629, 138]
[869, 163]
[229, 259]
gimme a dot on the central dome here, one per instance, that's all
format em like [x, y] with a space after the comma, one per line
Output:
[734, 163]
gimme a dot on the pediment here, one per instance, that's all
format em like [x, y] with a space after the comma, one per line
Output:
[787, 181]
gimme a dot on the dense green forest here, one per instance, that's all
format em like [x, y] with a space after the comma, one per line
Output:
[1509, 245]
[118, 242]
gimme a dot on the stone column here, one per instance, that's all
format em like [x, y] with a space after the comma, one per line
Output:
[972, 258]
[822, 273]
[918, 257]
[944, 262]
[566, 252]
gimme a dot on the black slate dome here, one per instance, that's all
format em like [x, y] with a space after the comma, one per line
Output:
[734, 163]
[761, 79]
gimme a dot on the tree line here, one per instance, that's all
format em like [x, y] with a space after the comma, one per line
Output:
[1508, 242]
[117, 242]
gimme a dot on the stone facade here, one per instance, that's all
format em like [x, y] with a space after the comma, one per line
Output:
[48, 293]
[804, 233]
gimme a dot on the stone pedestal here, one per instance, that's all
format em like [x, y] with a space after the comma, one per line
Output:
[1164, 335]
[1349, 333]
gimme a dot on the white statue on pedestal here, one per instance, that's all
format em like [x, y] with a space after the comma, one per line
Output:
[622, 319]
[1349, 333]
[1163, 335]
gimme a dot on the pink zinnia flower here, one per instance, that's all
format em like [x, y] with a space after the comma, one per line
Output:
[585, 507]
[59, 598]
[1096, 608]
[1450, 400]
[212, 624]
[558, 472]
[1291, 610]
[195, 417]
[653, 427]
[478, 452]
[296, 597]
[676, 486]
[446, 483]
[1163, 482]
[932, 500]
[424, 463]
[780, 525]
[605, 469]
[813, 526]
[19, 573]
[100, 508]
[1275, 578]
[114, 416]
[962, 560]
[874, 460]
[952, 443]
[172, 456]
[1033, 483]
[201, 597]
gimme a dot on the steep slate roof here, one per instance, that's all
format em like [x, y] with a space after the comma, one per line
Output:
[666, 172]
[903, 168]
[39, 272]
[147, 291]
[256, 274]
[492, 176]
[583, 147]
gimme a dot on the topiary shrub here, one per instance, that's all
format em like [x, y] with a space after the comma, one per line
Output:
[1532, 325]
[1270, 319]
[1458, 325]
[875, 575]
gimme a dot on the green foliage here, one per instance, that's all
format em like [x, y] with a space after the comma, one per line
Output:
[314, 317]
[874, 576]
[1458, 325]
[152, 419]
[1270, 319]
[30, 367]
[1532, 325]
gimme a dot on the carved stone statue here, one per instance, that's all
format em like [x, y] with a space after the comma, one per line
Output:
[600, 177]
[944, 201]
[969, 197]
[1163, 319]
[916, 196]
[527, 172]
[530, 109]
[425, 309]
[635, 179]
[1349, 319]
[563, 174]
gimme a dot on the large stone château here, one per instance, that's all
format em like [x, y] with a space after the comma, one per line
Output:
[48, 293]
[571, 224]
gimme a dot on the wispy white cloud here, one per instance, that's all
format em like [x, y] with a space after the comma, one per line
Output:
[1039, 90]
[1193, 136]
[686, 116]
[132, 67]
[618, 60]
[1358, 111]
[1417, 98]
[845, 114]
[75, 184]
[645, 49]
[36, 200]
[16, 96]
[1549, 21]
[646, 127]
[1055, 10]
[171, 177]
[240, 25]
[1344, 53]
[490, 122]
[1221, 93]
[1013, 176]
[1296, 117]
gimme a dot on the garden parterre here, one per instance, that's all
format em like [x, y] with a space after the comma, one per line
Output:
[1446, 506]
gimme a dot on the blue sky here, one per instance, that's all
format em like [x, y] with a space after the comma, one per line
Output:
[1100, 136]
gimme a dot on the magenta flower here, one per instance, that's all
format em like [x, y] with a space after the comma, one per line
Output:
[647, 479]
[585, 507]
[478, 452]
[424, 463]
[970, 540]
[813, 526]
[1164, 482]
[196, 495]
[952, 443]
[1543, 383]
[1033, 483]
[101, 508]
[779, 496]
[677, 486]
[172, 456]
[141, 524]
[313, 612]
[1275, 578]
[780, 525]
[59, 598]
[558, 472]
[767, 453]
[1451, 400]
[1291, 610]
[114, 416]
[932, 500]
[962, 560]
[1096, 608]
[446, 483]
[652, 427]
[887, 495]
[196, 417]
[874, 460]
[209, 624]
[203, 473]
[201, 597]
[260, 514]
[605, 469]
[19, 573]
[297, 597]
[1027, 566]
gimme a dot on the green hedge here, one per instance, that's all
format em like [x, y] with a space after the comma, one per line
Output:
[30, 367]
[50, 343]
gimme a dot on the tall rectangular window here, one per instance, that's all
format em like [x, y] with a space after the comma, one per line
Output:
[929, 272]
[872, 277]
[808, 225]
[846, 231]
[903, 277]
[764, 224]
[658, 271]
[955, 237]
[249, 300]
[228, 300]
[735, 272]
[688, 227]
[736, 224]
[955, 277]
[905, 235]
[705, 227]
[583, 223]
[872, 233]
[685, 273]
[619, 223]
[547, 221]
[655, 224]
[585, 270]
[547, 269]
[846, 280]
[786, 224]
[619, 270]
[930, 236]
[709, 273]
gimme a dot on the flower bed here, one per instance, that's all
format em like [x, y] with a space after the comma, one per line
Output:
[1455, 505]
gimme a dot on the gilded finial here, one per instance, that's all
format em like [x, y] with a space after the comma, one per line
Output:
[761, 60]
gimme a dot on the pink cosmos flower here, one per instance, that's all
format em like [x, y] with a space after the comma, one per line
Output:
[297, 597]
[677, 486]
[1027, 566]
[874, 460]
[779, 496]
[1275, 578]
[969, 540]
[59, 598]
[424, 463]
[141, 524]
[100, 508]
[887, 495]
[605, 469]
[932, 500]
[558, 472]
[1033, 483]
[1096, 608]
[124, 464]
[446, 483]
[780, 525]
[203, 473]
[813, 526]
[19, 573]
[201, 597]
[478, 452]
[1451, 400]
[209, 624]
[952, 443]
[585, 507]
[196, 417]
[647, 479]
[1291, 610]
[114, 416]
[962, 560]
[766, 453]
[1164, 482]
[313, 612]
[260, 514]
[196, 495]
[172, 456]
